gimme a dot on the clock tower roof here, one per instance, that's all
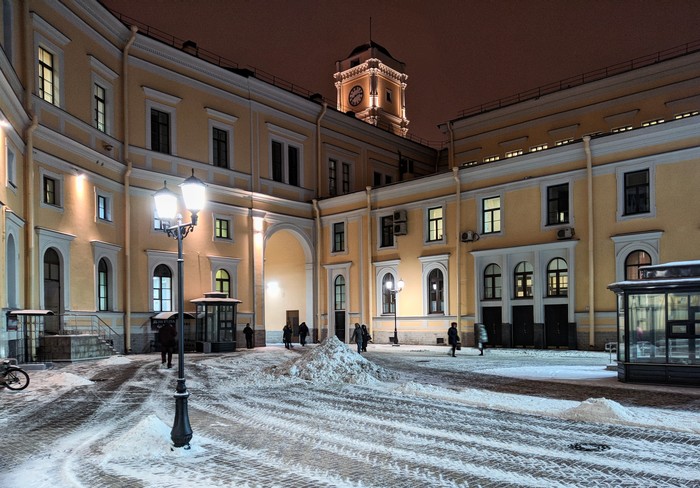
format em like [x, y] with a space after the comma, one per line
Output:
[371, 50]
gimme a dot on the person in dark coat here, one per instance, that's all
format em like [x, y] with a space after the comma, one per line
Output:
[453, 337]
[483, 339]
[248, 331]
[303, 332]
[365, 337]
[357, 337]
[167, 338]
[287, 336]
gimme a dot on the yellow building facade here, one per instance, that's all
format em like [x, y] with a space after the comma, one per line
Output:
[519, 222]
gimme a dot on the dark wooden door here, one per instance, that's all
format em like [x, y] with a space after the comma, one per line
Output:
[556, 325]
[491, 317]
[523, 328]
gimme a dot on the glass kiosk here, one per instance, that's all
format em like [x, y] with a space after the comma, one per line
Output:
[216, 322]
[658, 325]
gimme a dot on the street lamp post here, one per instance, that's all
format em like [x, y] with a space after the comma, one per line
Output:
[394, 290]
[193, 192]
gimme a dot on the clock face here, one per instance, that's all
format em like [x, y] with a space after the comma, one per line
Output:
[356, 95]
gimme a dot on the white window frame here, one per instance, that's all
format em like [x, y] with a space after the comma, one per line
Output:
[426, 224]
[229, 219]
[620, 176]
[380, 269]
[332, 237]
[53, 41]
[105, 77]
[429, 263]
[110, 253]
[480, 213]
[544, 187]
[156, 258]
[109, 204]
[61, 243]
[60, 190]
[165, 103]
[11, 165]
[223, 122]
[287, 138]
[649, 242]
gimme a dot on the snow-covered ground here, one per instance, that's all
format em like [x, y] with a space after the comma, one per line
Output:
[326, 416]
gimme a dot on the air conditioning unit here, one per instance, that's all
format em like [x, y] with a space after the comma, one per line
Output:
[565, 233]
[470, 236]
[400, 229]
[400, 216]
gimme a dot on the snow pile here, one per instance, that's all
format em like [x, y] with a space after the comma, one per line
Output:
[115, 360]
[600, 410]
[333, 362]
[69, 379]
[149, 439]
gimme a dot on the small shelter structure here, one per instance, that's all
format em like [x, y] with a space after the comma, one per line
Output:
[216, 322]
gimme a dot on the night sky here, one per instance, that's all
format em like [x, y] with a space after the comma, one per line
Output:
[458, 53]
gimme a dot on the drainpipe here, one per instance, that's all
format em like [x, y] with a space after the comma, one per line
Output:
[319, 242]
[458, 243]
[127, 186]
[591, 254]
[318, 148]
[370, 280]
[30, 263]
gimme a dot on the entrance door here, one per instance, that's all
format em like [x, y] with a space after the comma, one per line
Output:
[556, 325]
[523, 328]
[52, 290]
[340, 325]
[293, 321]
[491, 318]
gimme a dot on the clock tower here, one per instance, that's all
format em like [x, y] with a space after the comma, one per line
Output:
[372, 84]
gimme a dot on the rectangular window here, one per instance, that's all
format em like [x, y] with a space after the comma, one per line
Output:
[388, 95]
[293, 165]
[220, 148]
[558, 204]
[339, 237]
[222, 229]
[490, 159]
[332, 178]
[100, 108]
[277, 162]
[539, 147]
[387, 231]
[11, 168]
[649, 123]
[564, 141]
[160, 131]
[158, 224]
[46, 76]
[377, 179]
[435, 224]
[388, 179]
[51, 191]
[637, 192]
[104, 211]
[512, 154]
[285, 171]
[491, 215]
[623, 128]
[346, 178]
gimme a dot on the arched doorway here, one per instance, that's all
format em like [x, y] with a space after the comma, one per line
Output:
[52, 288]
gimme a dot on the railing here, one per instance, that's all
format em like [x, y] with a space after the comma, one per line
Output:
[588, 77]
[76, 324]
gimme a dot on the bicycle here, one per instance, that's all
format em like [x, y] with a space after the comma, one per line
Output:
[13, 377]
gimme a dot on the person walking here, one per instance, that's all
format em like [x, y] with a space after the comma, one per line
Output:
[483, 339]
[453, 337]
[287, 336]
[303, 332]
[248, 332]
[357, 337]
[167, 338]
[365, 338]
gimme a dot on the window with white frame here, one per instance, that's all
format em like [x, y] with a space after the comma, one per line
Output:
[388, 303]
[221, 138]
[102, 95]
[285, 162]
[435, 283]
[339, 293]
[219, 147]
[162, 289]
[633, 250]
[435, 223]
[635, 260]
[523, 280]
[52, 189]
[635, 191]
[557, 278]
[160, 131]
[99, 94]
[386, 231]
[48, 76]
[11, 168]
[161, 121]
[106, 286]
[339, 237]
[436, 292]
[48, 60]
[491, 215]
[223, 282]
[222, 228]
[103, 206]
[103, 281]
[557, 204]
[493, 282]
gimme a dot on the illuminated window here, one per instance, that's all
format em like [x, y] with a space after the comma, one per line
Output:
[633, 262]
[490, 159]
[104, 207]
[512, 154]
[103, 285]
[539, 147]
[492, 282]
[558, 204]
[222, 228]
[388, 304]
[491, 215]
[162, 289]
[622, 128]
[47, 74]
[523, 280]
[52, 191]
[557, 278]
[223, 282]
[435, 224]
[692, 113]
[436, 290]
[649, 123]
[339, 293]
[564, 141]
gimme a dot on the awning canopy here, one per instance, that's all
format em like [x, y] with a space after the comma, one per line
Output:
[30, 312]
[172, 315]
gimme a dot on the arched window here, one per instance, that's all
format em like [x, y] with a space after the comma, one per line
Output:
[162, 289]
[52, 281]
[388, 305]
[492, 282]
[436, 290]
[523, 280]
[557, 278]
[339, 293]
[103, 301]
[223, 282]
[633, 262]
[11, 271]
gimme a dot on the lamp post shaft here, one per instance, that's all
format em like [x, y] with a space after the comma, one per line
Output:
[181, 434]
[396, 331]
